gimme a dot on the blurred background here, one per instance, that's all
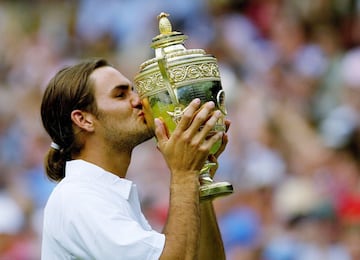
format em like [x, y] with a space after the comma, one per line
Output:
[291, 74]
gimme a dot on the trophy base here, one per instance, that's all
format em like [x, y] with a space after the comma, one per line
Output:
[215, 189]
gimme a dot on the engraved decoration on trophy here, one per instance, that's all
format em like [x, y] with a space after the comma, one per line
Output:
[169, 82]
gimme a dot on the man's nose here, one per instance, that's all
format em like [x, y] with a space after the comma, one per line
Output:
[136, 101]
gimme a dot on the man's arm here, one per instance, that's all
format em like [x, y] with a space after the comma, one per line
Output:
[185, 152]
[183, 224]
[211, 244]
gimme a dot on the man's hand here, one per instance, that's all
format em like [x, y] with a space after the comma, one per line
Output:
[185, 152]
[187, 148]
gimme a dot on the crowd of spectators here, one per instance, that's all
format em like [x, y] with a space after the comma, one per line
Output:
[291, 74]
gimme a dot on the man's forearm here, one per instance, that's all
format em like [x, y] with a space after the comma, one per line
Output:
[183, 225]
[211, 244]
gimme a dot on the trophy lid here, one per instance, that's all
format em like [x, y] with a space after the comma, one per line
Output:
[174, 65]
[169, 43]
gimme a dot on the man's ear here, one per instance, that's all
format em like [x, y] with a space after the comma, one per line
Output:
[83, 120]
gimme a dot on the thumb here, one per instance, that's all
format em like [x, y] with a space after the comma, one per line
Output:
[161, 132]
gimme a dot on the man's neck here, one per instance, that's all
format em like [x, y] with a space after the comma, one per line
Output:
[116, 163]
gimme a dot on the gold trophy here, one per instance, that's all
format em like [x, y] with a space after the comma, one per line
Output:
[169, 82]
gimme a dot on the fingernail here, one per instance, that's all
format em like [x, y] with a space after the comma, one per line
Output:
[196, 100]
[157, 121]
[211, 103]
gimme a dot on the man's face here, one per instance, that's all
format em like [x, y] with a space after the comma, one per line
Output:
[120, 120]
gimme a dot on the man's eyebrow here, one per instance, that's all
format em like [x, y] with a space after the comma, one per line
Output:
[122, 87]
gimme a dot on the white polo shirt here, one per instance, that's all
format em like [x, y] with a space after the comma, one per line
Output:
[94, 214]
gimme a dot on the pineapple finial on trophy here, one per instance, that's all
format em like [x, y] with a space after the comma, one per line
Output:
[164, 23]
[167, 36]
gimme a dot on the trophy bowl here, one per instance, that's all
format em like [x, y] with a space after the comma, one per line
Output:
[169, 82]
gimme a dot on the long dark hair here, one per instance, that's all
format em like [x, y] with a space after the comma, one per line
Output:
[68, 90]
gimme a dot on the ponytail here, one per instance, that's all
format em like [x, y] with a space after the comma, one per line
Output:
[55, 164]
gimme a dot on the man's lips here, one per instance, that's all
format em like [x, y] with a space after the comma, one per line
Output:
[141, 115]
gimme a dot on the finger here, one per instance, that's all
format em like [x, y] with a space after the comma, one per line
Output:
[213, 169]
[225, 139]
[224, 142]
[207, 129]
[212, 158]
[188, 115]
[161, 132]
[210, 142]
[204, 119]
[227, 125]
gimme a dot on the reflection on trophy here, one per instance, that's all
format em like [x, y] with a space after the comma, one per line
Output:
[170, 81]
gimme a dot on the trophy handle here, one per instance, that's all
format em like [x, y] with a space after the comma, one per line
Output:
[162, 63]
[220, 100]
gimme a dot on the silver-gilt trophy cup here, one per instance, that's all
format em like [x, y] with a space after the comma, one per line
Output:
[170, 81]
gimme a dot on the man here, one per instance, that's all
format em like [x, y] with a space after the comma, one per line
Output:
[95, 119]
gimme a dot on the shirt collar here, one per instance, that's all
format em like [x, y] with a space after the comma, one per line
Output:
[86, 171]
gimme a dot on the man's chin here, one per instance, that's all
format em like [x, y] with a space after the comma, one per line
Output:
[145, 138]
[149, 133]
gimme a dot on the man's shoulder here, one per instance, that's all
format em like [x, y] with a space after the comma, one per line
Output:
[76, 194]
